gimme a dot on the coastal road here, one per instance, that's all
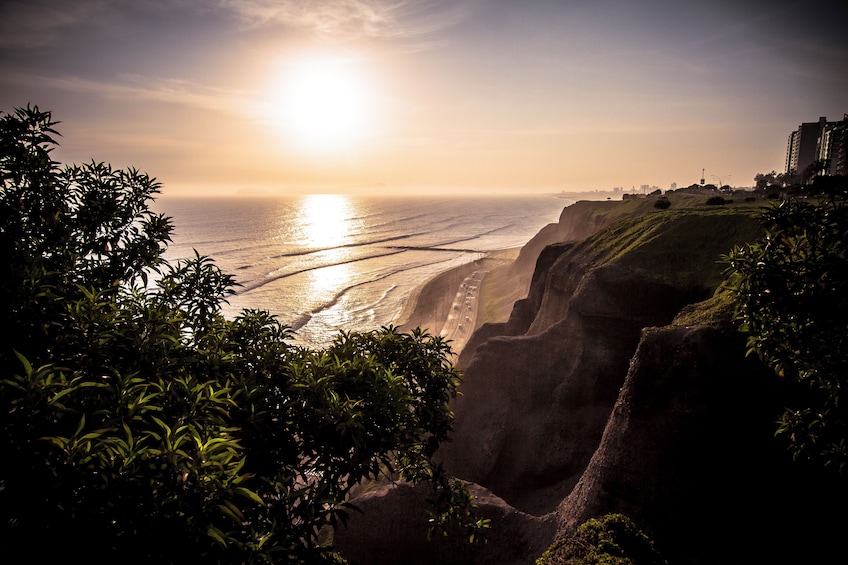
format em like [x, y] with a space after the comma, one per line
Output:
[462, 317]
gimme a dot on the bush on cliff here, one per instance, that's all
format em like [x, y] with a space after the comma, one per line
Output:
[610, 540]
[792, 299]
[139, 425]
[662, 203]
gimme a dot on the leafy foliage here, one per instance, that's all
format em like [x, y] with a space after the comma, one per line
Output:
[141, 425]
[610, 540]
[792, 299]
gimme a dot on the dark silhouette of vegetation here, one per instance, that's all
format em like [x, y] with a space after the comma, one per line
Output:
[792, 295]
[771, 181]
[139, 425]
[813, 170]
[662, 203]
[610, 540]
[810, 183]
[716, 201]
[830, 186]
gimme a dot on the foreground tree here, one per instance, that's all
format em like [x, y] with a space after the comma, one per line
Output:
[137, 424]
[792, 295]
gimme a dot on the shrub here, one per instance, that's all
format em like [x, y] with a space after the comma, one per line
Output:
[662, 203]
[610, 540]
[792, 300]
[716, 201]
[138, 424]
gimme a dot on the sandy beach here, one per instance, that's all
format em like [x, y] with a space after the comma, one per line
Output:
[448, 304]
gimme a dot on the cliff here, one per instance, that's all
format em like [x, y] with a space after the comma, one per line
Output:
[538, 392]
[618, 383]
[689, 454]
[505, 285]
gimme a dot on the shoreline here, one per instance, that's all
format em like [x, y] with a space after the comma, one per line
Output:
[447, 304]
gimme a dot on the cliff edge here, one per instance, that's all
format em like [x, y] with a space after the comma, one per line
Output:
[538, 393]
[619, 383]
[689, 454]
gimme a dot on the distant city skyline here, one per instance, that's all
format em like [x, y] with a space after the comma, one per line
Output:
[489, 96]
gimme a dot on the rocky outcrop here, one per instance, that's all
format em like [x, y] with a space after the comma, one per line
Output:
[613, 388]
[536, 398]
[576, 222]
[392, 528]
[504, 286]
[689, 454]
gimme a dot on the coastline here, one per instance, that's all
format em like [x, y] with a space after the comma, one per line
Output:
[447, 304]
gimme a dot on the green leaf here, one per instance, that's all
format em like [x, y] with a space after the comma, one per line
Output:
[217, 535]
[249, 494]
[80, 426]
[231, 510]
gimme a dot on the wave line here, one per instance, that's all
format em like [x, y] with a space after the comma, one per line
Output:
[250, 287]
[343, 246]
[303, 319]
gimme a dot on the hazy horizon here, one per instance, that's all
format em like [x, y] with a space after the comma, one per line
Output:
[387, 191]
[221, 97]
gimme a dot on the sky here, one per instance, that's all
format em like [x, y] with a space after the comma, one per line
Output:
[226, 97]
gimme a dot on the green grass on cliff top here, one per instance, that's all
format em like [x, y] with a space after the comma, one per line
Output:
[683, 241]
[715, 311]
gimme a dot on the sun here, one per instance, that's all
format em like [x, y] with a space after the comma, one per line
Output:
[324, 104]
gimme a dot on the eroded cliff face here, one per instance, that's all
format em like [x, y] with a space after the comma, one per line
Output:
[689, 454]
[537, 396]
[510, 284]
[613, 388]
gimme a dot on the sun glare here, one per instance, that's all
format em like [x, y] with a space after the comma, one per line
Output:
[324, 104]
[326, 220]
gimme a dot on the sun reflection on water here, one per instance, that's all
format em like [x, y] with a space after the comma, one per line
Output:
[328, 282]
[326, 220]
[327, 226]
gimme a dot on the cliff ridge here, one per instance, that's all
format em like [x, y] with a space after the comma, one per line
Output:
[618, 383]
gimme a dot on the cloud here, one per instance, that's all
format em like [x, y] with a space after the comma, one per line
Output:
[241, 103]
[413, 23]
[34, 23]
[341, 20]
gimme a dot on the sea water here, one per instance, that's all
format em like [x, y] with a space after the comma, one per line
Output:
[324, 263]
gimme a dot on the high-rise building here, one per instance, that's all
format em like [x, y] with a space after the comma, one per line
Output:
[803, 146]
[818, 141]
[833, 147]
[792, 153]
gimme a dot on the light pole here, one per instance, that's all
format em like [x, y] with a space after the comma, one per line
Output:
[721, 181]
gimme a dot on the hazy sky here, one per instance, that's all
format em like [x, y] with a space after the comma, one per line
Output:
[492, 95]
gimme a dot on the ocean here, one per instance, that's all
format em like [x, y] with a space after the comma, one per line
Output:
[326, 262]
